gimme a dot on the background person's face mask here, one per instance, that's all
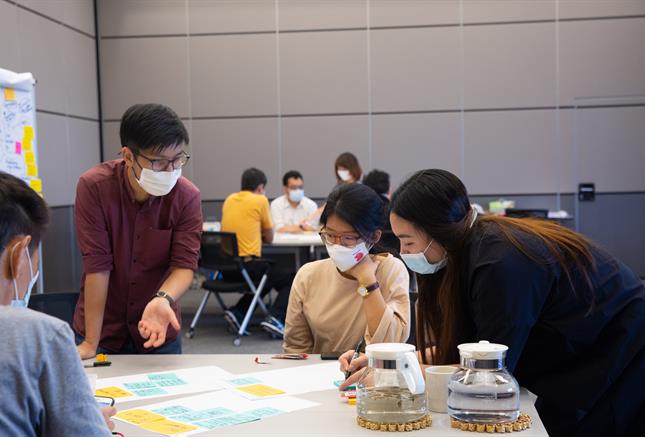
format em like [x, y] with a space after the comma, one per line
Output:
[344, 175]
[417, 262]
[24, 302]
[346, 257]
[296, 195]
[158, 183]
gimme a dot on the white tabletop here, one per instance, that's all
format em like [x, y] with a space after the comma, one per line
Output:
[332, 417]
[304, 239]
[279, 238]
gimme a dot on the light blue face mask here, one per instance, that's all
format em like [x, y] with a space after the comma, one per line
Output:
[296, 195]
[418, 263]
[24, 302]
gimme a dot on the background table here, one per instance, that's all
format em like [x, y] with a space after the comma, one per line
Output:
[332, 417]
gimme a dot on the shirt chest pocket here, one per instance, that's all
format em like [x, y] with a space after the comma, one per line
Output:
[154, 249]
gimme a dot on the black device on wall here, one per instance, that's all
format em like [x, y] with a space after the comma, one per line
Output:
[586, 192]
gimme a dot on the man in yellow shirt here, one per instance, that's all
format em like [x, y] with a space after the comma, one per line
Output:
[247, 213]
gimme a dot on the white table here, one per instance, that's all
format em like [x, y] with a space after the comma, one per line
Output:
[332, 417]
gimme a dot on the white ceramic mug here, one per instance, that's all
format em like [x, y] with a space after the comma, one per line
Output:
[437, 378]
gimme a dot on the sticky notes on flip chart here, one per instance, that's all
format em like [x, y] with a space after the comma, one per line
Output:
[32, 170]
[28, 132]
[36, 185]
[261, 390]
[26, 144]
[9, 94]
[30, 158]
[18, 147]
[112, 392]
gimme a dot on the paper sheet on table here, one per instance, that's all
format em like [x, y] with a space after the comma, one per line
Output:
[153, 385]
[291, 381]
[208, 411]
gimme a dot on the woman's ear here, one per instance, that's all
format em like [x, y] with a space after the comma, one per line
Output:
[377, 236]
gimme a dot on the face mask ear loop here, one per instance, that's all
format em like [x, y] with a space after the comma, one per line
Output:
[428, 246]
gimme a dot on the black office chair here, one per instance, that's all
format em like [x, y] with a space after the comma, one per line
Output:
[525, 213]
[219, 254]
[59, 305]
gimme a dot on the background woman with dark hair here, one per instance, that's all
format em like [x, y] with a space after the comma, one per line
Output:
[572, 315]
[335, 301]
[347, 169]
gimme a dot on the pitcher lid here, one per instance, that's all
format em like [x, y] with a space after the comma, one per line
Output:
[482, 350]
[388, 351]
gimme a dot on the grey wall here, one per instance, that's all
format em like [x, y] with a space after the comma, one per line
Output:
[55, 40]
[519, 98]
[478, 87]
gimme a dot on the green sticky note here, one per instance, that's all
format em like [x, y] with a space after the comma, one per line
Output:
[158, 376]
[215, 412]
[170, 382]
[139, 385]
[265, 412]
[173, 410]
[244, 381]
[150, 392]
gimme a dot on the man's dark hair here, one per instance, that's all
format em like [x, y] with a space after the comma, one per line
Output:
[253, 178]
[22, 211]
[289, 175]
[152, 127]
[378, 181]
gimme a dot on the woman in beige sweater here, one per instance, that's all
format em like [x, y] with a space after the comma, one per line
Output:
[336, 301]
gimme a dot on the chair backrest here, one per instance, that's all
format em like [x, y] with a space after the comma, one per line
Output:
[524, 213]
[219, 251]
[59, 305]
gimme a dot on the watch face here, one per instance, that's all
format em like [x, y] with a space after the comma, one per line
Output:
[362, 291]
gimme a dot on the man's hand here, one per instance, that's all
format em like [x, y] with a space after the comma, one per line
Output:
[86, 350]
[155, 320]
[108, 412]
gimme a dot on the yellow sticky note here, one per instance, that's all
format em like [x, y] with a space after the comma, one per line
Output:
[28, 132]
[139, 416]
[30, 158]
[112, 392]
[32, 170]
[26, 143]
[9, 94]
[37, 185]
[168, 427]
[261, 390]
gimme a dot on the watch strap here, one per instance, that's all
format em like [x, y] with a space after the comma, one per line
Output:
[166, 296]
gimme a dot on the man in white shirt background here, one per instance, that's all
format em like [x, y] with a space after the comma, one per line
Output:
[290, 211]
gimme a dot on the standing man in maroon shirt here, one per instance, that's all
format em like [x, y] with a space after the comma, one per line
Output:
[139, 227]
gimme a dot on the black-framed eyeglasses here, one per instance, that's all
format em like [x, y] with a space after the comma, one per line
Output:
[164, 164]
[342, 239]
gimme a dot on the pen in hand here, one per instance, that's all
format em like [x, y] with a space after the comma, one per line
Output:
[357, 352]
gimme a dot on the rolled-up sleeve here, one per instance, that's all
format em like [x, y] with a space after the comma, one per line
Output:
[91, 229]
[187, 234]
[395, 322]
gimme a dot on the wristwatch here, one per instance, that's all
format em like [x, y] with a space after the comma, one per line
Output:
[166, 296]
[365, 291]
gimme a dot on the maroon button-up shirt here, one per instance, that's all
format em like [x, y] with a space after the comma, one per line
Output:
[136, 243]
